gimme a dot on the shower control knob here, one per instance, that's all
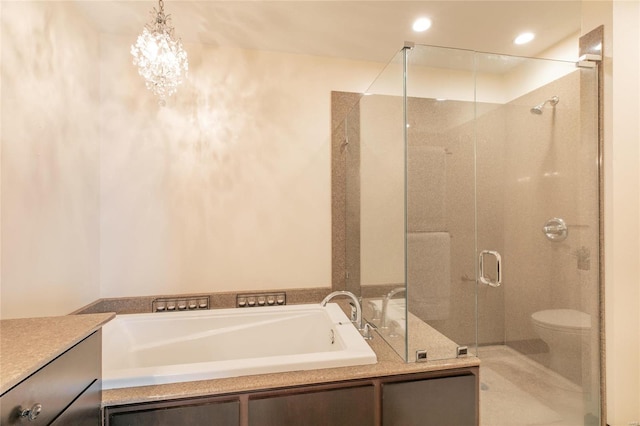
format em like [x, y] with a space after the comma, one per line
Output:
[555, 229]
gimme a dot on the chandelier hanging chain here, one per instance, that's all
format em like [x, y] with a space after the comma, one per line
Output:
[161, 20]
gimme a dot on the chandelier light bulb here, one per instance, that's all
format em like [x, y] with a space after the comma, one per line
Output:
[159, 56]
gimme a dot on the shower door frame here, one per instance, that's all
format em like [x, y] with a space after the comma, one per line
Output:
[591, 62]
[342, 281]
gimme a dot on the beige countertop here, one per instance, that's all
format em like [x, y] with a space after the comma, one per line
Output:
[47, 338]
[389, 364]
[28, 344]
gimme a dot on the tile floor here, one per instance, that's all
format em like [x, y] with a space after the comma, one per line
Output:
[516, 391]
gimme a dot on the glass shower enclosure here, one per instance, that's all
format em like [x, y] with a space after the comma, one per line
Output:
[472, 223]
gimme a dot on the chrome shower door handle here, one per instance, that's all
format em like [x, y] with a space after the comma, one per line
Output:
[483, 278]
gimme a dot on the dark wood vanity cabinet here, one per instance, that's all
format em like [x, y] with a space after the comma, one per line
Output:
[66, 391]
[436, 401]
[443, 398]
[197, 411]
[347, 406]
[322, 405]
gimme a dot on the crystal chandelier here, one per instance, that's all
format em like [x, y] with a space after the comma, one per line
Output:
[160, 58]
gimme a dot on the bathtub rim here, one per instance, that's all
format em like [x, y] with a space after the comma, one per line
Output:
[357, 352]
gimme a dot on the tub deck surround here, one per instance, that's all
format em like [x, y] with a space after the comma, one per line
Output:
[388, 364]
[221, 300]
[28, 344]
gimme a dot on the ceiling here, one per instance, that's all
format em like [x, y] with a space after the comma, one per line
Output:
[361, 30]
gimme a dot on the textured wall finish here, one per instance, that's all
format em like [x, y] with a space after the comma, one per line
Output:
[228, 186]
[345, 191]
[49, 159]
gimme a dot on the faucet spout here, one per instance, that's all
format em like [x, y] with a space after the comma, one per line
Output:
[356, 303]
[385, 304]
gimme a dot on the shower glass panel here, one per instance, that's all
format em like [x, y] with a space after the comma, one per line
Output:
[441, 251]
[502, 171]
[473, 221]
[375, 203]
[537, 204]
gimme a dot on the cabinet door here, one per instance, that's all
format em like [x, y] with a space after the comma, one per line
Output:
[340, 407]
[447, 401]
[170, 414]
[56, 385]
[84, 411]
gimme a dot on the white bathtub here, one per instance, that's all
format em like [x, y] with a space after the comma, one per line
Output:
[157, 348]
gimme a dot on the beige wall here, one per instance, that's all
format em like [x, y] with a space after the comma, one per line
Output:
[382, 237]
[227, 187]
[49, 160]
[624, 308]
[622, 193]
[1, 14]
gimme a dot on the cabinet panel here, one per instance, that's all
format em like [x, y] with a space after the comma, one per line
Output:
[446, 401]
[435, 398]
[85, 411]
[352, 406]
[167, 414]
[74, 371]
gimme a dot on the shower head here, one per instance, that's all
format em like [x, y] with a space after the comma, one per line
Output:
[553, 101]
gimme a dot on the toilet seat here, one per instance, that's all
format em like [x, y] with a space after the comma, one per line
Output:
[563, 319]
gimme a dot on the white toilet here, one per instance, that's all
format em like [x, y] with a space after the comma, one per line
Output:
[566, 332]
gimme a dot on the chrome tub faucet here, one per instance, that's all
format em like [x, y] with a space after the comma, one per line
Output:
[356, 304]
[385, 304]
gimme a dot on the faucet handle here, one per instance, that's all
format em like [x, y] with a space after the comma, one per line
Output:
[354, 312]
[366, 332]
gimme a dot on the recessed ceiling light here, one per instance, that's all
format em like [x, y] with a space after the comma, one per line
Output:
[421, 24]
[524, 38]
